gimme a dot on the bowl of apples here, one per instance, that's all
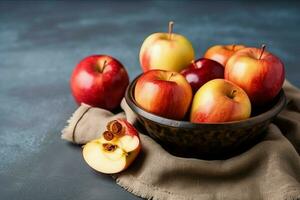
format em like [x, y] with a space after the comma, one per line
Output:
[211, 108]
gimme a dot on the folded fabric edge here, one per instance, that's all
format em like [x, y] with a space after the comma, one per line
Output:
[137, 189]
[288, 85]
[147, 191]
[291, 193]
[140, 189]
[66, 132]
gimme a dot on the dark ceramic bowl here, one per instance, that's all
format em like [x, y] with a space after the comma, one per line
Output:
[208, 141]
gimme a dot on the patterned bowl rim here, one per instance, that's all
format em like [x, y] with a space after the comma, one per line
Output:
[271, 113]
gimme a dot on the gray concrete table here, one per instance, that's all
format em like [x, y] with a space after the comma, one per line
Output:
[40, 43]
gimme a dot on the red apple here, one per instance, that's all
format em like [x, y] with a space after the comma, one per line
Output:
[260, 73]
[220, 100]
[163, 93]
[99, 80]
[201, 71]
[221, 53]
[115, 150]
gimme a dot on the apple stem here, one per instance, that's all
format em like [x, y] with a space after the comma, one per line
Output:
[263, 47]
[100, 68]
[232, 93]
[194, 64]
[233, 47]
[171, 25]
[104, 64]
[172, 74]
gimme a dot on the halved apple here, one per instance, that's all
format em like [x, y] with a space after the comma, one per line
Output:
[115, 150]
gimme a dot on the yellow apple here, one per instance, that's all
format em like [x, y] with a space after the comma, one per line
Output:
[220, 100]
[166, 51]
[115, 150]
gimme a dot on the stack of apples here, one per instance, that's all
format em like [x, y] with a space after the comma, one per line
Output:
[222, 86]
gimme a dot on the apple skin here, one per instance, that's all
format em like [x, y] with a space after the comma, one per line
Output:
[164, 93]
[100, 81]
[261, 78]
[121, 158]
[220, 100]
[201, 71]
[221, 53]
[158, 51]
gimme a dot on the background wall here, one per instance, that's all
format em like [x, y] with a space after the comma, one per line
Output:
[41, 42]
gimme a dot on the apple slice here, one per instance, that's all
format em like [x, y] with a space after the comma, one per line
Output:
[128, 143]
[115, 150]
[103, 161]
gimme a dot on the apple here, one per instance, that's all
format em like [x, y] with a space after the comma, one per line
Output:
[166, 51]
[221, 53]
[99, 80]
[220, 100]
[201, 71]
[260, 73]
[164, 93]
[115, 150]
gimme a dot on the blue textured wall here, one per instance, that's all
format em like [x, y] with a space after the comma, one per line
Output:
[40, 43]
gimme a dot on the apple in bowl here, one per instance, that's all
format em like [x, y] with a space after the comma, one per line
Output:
[166, 51]
[201, 71]
[163, 93]
[258, 72]
[220, 100]
[115, 150]
[100, 81]
[221, 53]
[206, 140]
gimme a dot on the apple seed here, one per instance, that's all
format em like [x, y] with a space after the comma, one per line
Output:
[108, 135]
[109, 147]
[115, 127]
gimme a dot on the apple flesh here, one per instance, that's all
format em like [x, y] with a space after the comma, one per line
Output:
[166, 51]
[201, 71]
[115, 150]
[99, 81]
[258, 72]
[220, 100]
[163, 93]
[221, 53]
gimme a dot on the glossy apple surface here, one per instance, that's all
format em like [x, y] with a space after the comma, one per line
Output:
[166, 51]
[260, 73]
[163, 93]
[99, 80]
[201, 71]
[221, 53]
[220, 100]
[115, 150]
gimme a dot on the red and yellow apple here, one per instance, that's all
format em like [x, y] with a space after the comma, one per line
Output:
[221, 53]
[163, 93]
[220, 100]
[260, 73]
[201, 71]
[115, 150]
[99, 80]
[166, 51]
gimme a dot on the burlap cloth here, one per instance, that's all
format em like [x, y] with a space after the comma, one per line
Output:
[269, 170]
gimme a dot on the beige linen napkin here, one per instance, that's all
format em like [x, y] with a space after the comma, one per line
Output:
[87, 123]
[269, 170]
